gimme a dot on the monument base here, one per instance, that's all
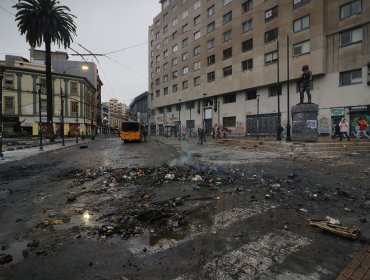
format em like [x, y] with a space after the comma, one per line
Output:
[304, 126]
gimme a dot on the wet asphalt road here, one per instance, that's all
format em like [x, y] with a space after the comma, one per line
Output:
[248, 222]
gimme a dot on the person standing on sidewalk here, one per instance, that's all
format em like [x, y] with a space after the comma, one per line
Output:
[336, 131]
[343, 128]
[362, 127]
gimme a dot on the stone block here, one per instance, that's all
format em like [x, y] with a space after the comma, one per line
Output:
[304, 122]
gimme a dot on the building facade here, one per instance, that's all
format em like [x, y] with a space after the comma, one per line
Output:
[24, 99]
[234, 63]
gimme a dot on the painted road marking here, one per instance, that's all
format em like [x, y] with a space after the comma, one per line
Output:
[222, 221]
[252, 259]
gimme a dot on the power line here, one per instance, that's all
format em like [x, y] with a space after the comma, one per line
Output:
[7, 11]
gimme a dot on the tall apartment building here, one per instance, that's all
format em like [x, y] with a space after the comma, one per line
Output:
[223, 62]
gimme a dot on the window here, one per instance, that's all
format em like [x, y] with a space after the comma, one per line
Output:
[197, 35]
[229, 98]
[9, 103]
[299, 3]
[301, 23]
[196, 5]
[174, 61]
[185, 85]
[174, 22]
[174, 88]
[165, 53]
[169, 108]
[74, 107]
[197, 65]
[211, 10]
[175, 74]
[247, 64]
[165, 29]
[271, 13]
[157, 35]
[185, 14]
[185, 56]
[271, 35]
[157, 82]
[227, 35]
[8, 81]
[185, 42]
[196, 20]
[351, 77]
[165, 16]
[350, 9]
[247, 45]
[211, 76]
[271, 57]
[160, 110]
[351, 36]
[273, 90]
[227, 53]
[196, 50]
[157, 70]
[174, 8]
[74, 88]
[165, 91]
[165, 78]
[174, 35]
[157, 93]
[210, 43]
[157, 46]
[197, 81]
[247, 25]
[251, 94]
[211, 27]
[301, 48]
[165, 41]
[157, 58]
[229, 121]
[185, 70]
[185, 28]
[211, 60]
[157, 23]
[247, 6]
[174, 48]
[227, 2]
[190, 105]
[227, 17]
[165, 66]
[228, 71]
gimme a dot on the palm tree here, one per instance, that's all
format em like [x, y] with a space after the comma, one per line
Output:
[43, 21]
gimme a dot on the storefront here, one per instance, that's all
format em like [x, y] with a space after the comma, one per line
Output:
[359, 114]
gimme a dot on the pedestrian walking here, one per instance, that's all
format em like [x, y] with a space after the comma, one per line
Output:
[200, 136]
[343, 129]
[336, 131]
[362, 127]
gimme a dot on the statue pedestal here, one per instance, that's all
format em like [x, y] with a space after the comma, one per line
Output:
[304, 127]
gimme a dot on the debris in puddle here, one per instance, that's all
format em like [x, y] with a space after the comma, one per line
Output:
[197, 178]
[351, 232]
[332, 221]
[303, 210]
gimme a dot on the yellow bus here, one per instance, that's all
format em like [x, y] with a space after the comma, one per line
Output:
[131, 131]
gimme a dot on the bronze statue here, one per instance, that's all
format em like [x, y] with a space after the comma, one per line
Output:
[305, 82]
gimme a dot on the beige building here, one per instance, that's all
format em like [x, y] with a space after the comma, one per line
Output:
[24, 99]
[222, 62]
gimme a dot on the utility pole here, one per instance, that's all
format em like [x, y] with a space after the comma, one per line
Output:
[288, 138]
[278, 91]
[1, 114]
[62, 115]
[40, 120]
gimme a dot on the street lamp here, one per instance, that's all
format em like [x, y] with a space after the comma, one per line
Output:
[179, 108]
[77, 130]
[278, 91]
[258, 115]
[40, 120]
[288, 138]
[204, 117]
[1, 114]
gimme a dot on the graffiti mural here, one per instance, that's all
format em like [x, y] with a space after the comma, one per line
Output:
[356, 120]
[324, 126]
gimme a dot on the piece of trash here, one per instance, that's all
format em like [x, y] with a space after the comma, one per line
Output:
[351, 232]
[197, 178]
[169, 176]
[303, 210]
[332, 221]
[269, 196]
[291, 176]
[348, 209]
[217, 197]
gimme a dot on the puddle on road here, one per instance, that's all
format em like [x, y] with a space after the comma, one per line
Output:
[76, 221]
[15, 250]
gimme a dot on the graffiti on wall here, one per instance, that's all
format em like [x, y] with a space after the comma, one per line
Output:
[324, 125]
[355, 121]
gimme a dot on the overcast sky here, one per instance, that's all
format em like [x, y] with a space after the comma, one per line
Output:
[103, 26]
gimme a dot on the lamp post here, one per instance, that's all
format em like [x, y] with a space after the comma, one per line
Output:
[218, 111]
[77, 129]
[204, 117]
[288, 138]
[258, 116]
[62, 115]
[278, 91]
[179, 108]
[40, 120]
[1, 114]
